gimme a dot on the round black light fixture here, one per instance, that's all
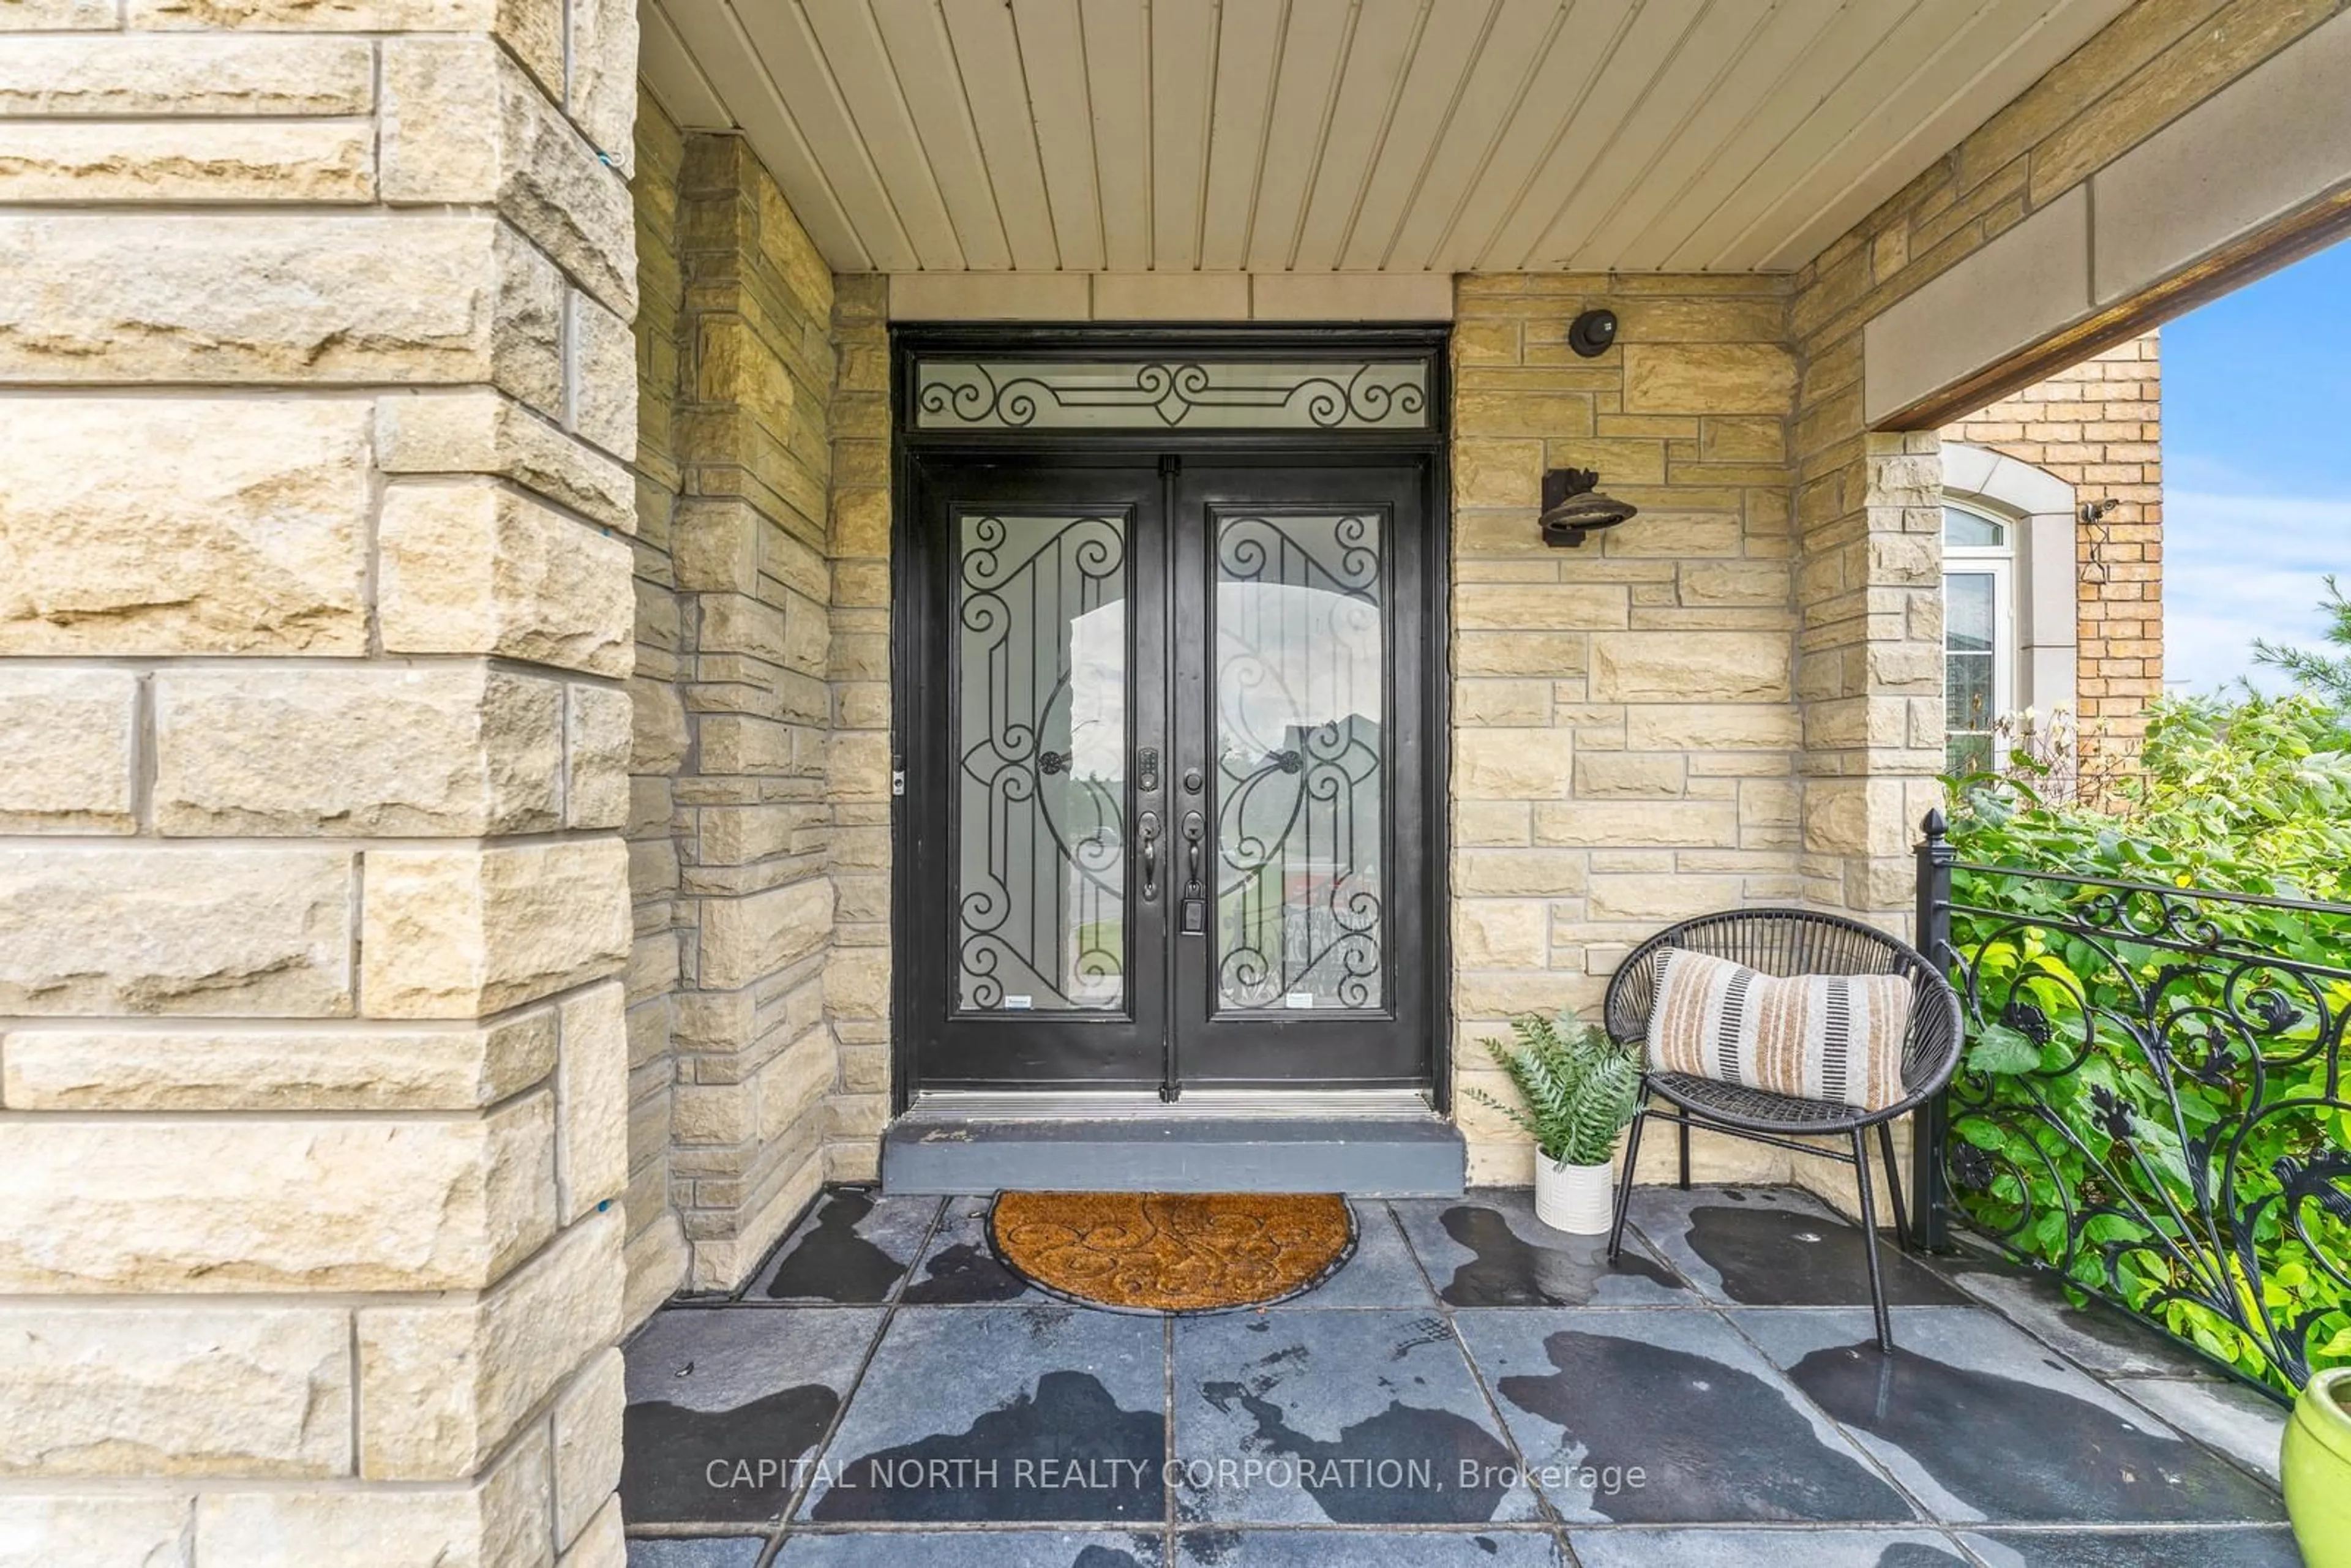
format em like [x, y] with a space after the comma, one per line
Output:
[1592, 333]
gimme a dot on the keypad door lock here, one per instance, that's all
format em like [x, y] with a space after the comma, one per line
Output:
[1146, 770]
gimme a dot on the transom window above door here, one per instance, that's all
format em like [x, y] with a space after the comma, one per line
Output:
[1170, 394]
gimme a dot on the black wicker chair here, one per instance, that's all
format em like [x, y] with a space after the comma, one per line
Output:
[1790, 942]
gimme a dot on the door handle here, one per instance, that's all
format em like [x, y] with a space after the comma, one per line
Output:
[1193, 918]
[1146, 834]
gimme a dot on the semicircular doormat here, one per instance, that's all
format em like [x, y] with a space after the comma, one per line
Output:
[1173, 1253]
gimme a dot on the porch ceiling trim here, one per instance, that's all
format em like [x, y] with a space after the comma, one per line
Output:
[1317, 136]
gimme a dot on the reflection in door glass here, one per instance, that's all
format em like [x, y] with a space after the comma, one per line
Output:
[1041, 748]
[1301, 695]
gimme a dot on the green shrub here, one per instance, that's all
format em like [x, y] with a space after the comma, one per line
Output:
[2140, 1078]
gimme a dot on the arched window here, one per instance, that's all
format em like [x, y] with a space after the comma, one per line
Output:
[1979, 634]
[2009, 599]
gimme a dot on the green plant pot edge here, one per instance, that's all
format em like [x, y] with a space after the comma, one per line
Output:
[2314, 1462]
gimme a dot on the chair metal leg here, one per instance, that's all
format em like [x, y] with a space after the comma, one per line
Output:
[1625, 1186]
[1894, 1185]
[1869, 1241]
[1684, 1130]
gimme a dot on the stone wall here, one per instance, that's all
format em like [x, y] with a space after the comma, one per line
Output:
[732, 841]
[1624, 742]
[655, 1249]
[1868, 504]
[2099, 427]
[313, 619]
[857, 778]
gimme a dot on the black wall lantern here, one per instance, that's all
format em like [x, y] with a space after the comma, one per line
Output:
[1573, 508]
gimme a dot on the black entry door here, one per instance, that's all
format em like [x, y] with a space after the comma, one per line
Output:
[1166, 747]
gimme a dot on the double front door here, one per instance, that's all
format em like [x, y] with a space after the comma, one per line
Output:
[1165, 741]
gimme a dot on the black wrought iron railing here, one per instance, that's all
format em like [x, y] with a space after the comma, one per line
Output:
[2151, 1102]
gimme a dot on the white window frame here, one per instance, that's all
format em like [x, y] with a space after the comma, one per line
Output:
[2037, 612]
[1999, 563]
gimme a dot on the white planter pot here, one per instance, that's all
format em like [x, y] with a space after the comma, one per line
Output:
[1578, 1200]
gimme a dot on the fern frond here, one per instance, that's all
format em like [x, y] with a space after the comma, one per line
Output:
[1577, 1088]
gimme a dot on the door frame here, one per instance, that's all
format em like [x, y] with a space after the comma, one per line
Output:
[912, 583]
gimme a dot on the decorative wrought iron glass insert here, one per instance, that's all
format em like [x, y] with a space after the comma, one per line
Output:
[1170, 394]
[1301, 697]
[1040, 660]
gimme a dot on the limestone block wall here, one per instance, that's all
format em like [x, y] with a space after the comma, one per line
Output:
[316, 402]
[857, 767]
[2098, 426]
[1869, 502]
[656, 1247]
[1624, 731]
[732, 838]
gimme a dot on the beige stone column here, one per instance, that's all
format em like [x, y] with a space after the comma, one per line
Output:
[756, 1061]
[1869, 592]
[317, 392]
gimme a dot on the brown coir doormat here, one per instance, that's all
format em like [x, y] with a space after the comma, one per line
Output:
[1173, 1253]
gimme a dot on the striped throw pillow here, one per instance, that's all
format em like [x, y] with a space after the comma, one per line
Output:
[1815, 1037]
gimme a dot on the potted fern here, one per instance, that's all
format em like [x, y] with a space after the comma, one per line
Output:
[1578, 1089]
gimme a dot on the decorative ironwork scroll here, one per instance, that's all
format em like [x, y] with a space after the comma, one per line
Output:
[1041, 740]
[2153, 1101]
[1300, 686]
[1167, 394]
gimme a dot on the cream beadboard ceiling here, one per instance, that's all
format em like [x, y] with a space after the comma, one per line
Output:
[1345, 135]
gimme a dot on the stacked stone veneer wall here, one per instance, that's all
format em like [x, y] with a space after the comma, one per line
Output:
[1624, 741]
[857, 773]
[1868, 503]
[316, 399]
[732, 838]
[2099, 427]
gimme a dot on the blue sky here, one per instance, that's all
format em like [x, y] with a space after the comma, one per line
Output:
[2256, 469]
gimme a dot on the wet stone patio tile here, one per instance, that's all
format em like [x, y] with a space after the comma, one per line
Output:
[959, 1268]
[726, 1407]
[1370, 1549]
[1980, 1421]
[2228, 1417]
[1487, 1248]
[1382, 1272]
[697, 1551]
[1765, 1549]
[2239, 1548]
[852, 1248]
[1305, 1417]
[1773, 1246]
[974, 1549]
[1018, 1415]
[2098, 1336]
[1645, 1417]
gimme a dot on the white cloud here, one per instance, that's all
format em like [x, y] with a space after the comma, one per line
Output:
[2237, 566]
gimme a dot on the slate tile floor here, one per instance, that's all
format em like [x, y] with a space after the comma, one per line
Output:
[1470, 1391]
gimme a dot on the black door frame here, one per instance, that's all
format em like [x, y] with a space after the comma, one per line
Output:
[911, 586]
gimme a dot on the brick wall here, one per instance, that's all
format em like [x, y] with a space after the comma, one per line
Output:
[2099, 427]
[315, 404]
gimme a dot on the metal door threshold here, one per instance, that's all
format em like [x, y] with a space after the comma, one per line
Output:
[1213, 1104]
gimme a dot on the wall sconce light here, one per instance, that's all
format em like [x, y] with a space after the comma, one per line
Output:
[1573, 508]
[2094, 517]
